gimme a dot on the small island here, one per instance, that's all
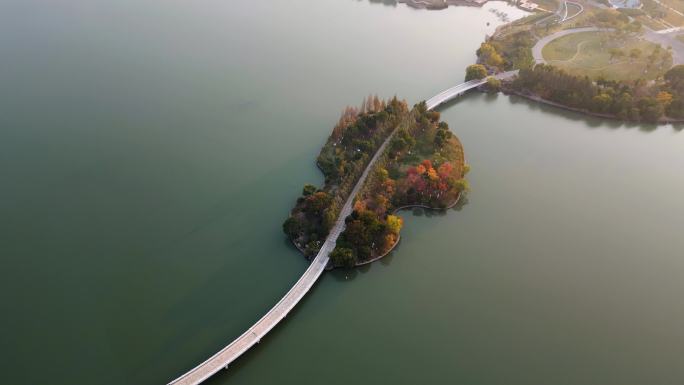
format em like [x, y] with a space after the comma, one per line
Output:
[423, 165]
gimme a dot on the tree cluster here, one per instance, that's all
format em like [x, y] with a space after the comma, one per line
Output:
[512, 51]
[634, 100]
[613, 19]
[475, 71]
[354, 139]
[423, 165]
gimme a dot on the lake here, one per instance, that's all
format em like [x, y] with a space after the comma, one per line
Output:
[149, 152]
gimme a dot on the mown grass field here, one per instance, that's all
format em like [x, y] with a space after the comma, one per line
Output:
[651, 23]
[588, 53]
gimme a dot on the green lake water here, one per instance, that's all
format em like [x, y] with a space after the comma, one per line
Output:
[149, 152]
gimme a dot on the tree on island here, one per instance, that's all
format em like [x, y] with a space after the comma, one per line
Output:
[423, 165]
[664, 98]
[475, 71]
[308, 189]
[493, 84]
[343, 256]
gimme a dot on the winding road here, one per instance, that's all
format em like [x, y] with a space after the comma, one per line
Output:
[256, 332]
[541, 43]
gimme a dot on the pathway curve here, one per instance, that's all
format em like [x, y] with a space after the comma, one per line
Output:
[256, 332]
[541, 43]
[580, 9]
[665, 39]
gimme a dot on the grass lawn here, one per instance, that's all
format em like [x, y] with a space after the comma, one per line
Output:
[674, 18]
[588, 54]
[651, 23]
[666, 13]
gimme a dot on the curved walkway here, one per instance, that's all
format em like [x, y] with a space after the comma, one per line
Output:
[580, 9]
[541, 43]
[253, 335]
[665, 39]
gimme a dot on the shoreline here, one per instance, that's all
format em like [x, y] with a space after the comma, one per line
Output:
[379, 257]
[436, 6]
[450, 206]
[539, 99]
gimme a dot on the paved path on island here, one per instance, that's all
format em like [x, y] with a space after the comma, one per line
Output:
[256, 332]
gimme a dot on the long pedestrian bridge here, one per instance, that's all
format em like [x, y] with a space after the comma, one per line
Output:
[257, 331]
[455, 91]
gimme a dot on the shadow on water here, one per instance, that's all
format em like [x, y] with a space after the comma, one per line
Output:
[461, 203]
[486, 97]
[344, 275]
[450, 103]
[248, 358]
[588, 120]
[348, 275]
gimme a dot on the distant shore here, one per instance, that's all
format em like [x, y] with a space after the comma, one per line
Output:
[442, 4]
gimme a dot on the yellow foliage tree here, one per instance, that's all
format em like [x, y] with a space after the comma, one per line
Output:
[432, 174]
[389, 241]
[489, 55]
[664, 98]
[394, 224]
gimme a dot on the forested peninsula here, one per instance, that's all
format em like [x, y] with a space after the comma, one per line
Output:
[423, 165]
[602, 63]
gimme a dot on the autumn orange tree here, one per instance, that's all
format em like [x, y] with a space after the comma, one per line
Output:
[402, 178]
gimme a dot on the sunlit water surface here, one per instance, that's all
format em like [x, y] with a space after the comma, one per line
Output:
[149, 152]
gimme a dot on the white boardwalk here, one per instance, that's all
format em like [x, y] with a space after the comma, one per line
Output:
[257, 331]
[460, 89]
[254, 334]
